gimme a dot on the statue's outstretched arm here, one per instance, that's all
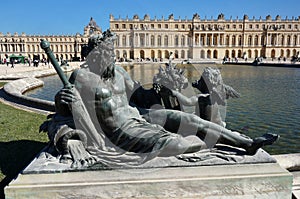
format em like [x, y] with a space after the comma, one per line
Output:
[230, 92]
[187, 101]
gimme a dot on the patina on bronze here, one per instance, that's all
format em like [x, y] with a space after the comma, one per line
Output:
[94, 122]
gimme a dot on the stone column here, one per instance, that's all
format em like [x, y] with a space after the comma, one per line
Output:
[138, 40]
[186, 40]
[127, 41]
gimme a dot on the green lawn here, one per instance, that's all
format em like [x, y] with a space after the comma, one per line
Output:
[20, 141]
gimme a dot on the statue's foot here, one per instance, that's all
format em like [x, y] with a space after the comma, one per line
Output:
[81, 157]
[83, 163]
[266, 139]
[66, 159]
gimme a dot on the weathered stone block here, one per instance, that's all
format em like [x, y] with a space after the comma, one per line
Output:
[266, 180]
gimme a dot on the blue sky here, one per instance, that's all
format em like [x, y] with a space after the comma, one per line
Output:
[70, 16]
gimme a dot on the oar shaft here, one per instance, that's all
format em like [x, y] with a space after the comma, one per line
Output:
[45, 45]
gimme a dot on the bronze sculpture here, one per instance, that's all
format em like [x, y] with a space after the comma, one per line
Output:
[95, 123]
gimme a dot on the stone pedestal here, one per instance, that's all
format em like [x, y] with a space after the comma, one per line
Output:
[240, 181]
[296, 184]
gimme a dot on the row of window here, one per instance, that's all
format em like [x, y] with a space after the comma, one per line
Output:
[35, 48]
[38, 39]
[206, 26]
[151, 26]
[183, 54]
[209, 40]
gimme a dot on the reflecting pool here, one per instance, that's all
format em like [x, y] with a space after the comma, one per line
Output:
[270, 99]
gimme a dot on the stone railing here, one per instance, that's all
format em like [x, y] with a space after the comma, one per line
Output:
[17, 88]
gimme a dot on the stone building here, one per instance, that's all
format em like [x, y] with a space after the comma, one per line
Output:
[196, 38]
[66, 47]
[157, 39]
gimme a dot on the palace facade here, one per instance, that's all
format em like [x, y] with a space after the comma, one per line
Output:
[196, 38]
[156, 39]
[66, 47]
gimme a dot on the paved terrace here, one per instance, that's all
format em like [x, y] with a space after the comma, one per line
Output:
[19, 71]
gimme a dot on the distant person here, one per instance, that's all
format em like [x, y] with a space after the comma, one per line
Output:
[12, 63]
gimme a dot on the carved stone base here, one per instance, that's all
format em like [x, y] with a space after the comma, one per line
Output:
[267, 180]
[296, 184]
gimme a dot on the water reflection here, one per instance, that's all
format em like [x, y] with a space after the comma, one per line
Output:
[269, 102]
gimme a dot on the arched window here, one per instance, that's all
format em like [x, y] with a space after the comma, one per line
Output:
[152, 54]
[215, 54]
[227, 53]
[124, 40]
[182, 54]
[227, 40]
[294, 52]
[159, 54]
[142, 54]
[233, 42]
[142, 40]
[273, 39]
[240, 40]
[124, 54]
[159, 40]
[288, 40]
[208, 54]
[282, 40]
[256, 40]
[250, 40]
[166, 40]
[233, 53]
[130, 41]
[215, 40]
[152, 40]
[288, 53]
[295, 40]
[239, 53]
[256, 53]
[176, 40]
[249, 54]
[208, 40]
[167, 54]
[273, 54]
[202, 40]
[282, 53]
[176, 54]
[117, 40]
[183, 40]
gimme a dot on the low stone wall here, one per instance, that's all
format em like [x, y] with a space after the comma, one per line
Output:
[290, 162]
[17, 88]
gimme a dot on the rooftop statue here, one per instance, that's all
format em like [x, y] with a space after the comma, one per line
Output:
[94, 122]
